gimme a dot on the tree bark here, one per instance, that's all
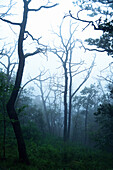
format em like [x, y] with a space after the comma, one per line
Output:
[11, 103]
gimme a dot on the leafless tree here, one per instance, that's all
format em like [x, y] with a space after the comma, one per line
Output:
[22, 56]
[44, 97]
[9, 67]
[64, 53]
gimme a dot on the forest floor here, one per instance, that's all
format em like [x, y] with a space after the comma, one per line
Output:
[57, 156]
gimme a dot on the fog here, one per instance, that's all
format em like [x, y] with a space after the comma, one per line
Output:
[56, 91]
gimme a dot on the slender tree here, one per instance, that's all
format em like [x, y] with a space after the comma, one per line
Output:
[43, 97]
[11, 103]
[71, 69]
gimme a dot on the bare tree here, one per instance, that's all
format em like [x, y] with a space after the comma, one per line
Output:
[44, 97]
[22, 56]
[64, 53]
[51, 101]
[9, 67]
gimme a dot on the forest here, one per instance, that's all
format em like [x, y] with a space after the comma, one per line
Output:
[61, 116]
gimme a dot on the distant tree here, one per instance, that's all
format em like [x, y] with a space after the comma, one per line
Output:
[90, 102]
[87, 104]
[104, 118]
[71, 69]
[49, 98]
[22, 56]
[29, 112]
[44, 97]
[9, 66]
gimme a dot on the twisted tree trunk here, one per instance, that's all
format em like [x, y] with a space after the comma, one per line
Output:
[11, 103]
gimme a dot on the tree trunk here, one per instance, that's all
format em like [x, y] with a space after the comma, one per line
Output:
[65, 104]
[70, 95]
[18, 133]
[70, 108]
[14, 118]
[44, 105]
[86, 114]
[11, 103]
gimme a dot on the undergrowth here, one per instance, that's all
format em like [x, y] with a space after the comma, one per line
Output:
[55, 155]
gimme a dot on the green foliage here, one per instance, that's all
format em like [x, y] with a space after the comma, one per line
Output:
[47, 156]
[105, 42]
[30, 132]
[104, 136]
[5, 86]
[47, 152]
[87, 97]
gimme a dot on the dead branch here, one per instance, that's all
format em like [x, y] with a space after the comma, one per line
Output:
[46, 7]
[86, 78]
[34, 39]
[3, 65]
[38, 50]
[10, 22]
[106, 79]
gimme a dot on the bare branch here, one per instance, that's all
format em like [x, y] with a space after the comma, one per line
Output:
[86, 78]
[51, 6]
[60, 31]
[106, 79]
[77, 18]
[56, 53]
[27, 83]
[37, 40]
[14, 64]
[32, 79]
[10, 22]
[34, 39]
[94, 48]
[80, 72]
[3, 65]
[39, 50]
[9, 8]
[82, 20]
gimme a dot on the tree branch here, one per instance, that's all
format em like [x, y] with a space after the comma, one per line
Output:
[10, 22]
[102, 77]
[82, 20]
[105, 50]
[34, 39]
[33, 53]
[86, 78]
[56, 53]
[3, 65]
[51, 6]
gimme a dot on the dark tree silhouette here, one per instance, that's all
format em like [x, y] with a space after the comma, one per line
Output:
[11, 103]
